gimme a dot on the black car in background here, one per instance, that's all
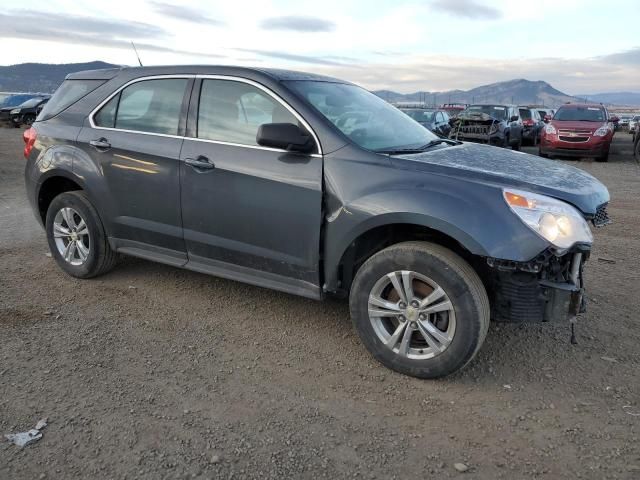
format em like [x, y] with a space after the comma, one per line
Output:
[532, 124]
[435, 120]
[498, 125]
[26, 113]
[11, 103]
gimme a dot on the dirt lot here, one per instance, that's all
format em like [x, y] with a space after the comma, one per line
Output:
[155, 372]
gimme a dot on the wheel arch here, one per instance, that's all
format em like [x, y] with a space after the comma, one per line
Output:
[56, 182]
[386, 230]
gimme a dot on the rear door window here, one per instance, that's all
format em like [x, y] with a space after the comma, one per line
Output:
[152, 106]
[67, 94]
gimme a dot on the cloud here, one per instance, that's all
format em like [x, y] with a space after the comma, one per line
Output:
[467, 9]
[617, 72]
[187, 14]
[298, 24]
[76, 29]
[296, 58]
[629, 57]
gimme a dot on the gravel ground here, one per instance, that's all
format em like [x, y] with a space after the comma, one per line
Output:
[156, 372]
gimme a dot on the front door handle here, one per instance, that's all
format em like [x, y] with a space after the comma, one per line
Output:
[200, 163]
[101, 144]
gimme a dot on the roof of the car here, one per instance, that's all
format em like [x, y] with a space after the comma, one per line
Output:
[491, 105]
[581, 105]
[277, 74]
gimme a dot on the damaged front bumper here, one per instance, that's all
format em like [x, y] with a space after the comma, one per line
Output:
[548, 288]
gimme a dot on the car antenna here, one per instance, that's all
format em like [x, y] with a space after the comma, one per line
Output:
[136, 50]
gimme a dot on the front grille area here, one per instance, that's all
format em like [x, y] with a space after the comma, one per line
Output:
[475, 129]
[574, 139]
[601, 217]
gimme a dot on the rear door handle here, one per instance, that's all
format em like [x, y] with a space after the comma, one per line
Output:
[200, 163]
[100, 144]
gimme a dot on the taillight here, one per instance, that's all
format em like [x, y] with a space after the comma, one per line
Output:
[527, 123]
[29, 137]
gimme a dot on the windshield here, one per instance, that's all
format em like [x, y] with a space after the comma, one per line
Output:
[418, 115]
[365, 118]
[580, 114]
[495, 111]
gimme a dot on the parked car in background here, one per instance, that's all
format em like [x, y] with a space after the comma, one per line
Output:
[636, 145]
[435, 120]
[330, 191]
[578, 130]
[532, 124]
[10, 103]
[26, 113]
[546, 113]
[454, 109]
[624, 120]
[498, 125]
[633, 124]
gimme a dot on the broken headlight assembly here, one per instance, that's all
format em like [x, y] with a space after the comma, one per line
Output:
[554, 220]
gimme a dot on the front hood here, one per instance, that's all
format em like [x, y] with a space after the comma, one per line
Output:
[506, 168]
[572, 125]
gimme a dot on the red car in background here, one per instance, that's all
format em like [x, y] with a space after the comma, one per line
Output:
[578, 130]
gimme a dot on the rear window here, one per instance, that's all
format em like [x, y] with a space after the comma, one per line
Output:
[525, 114]
[66, 95]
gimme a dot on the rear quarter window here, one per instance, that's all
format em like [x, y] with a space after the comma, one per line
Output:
[66, 95]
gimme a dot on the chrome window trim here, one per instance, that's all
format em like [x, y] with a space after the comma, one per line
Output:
[210, 77]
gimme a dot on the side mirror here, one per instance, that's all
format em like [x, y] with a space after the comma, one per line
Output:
[286, 136]
[547, 118]
[514, 118]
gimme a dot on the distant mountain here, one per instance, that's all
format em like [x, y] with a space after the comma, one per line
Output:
[615, 98]
[41, 77]
[518, 92]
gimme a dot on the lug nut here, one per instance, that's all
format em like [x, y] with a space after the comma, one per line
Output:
[402, 305]
[415, 304]
[421, 316]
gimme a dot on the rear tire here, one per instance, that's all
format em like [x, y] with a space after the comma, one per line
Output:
[76, 236]
[459, 327]
[517, 146]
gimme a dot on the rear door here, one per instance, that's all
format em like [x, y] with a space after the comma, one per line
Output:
[134, 141]
[249, 212]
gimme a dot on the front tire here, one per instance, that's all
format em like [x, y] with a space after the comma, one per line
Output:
[76, 236]
[419, 309]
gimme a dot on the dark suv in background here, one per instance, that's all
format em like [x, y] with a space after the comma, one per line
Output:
[435, 120]
[313, 186]
[532, 124]
[498, 125]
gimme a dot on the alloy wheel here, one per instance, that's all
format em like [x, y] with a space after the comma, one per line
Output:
[412, 315]
[71, 236]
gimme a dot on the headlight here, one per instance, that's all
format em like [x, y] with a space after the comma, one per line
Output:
[15, 111]
[493, 129]
[550, 129]
[554, 220]
[602, 131]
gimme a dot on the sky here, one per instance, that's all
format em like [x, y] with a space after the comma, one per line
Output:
[579, 46]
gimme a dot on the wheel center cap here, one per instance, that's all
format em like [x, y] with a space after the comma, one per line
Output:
[74, 236]
[412, 314]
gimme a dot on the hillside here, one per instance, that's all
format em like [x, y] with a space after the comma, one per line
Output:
[617, 98]
[41, 77]
[518, 91]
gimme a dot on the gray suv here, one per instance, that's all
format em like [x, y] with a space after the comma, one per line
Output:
[313, 186]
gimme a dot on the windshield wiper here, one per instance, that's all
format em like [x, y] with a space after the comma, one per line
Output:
[424, 147]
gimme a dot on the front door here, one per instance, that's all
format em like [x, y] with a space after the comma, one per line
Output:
[249, 212]
[134, 143]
